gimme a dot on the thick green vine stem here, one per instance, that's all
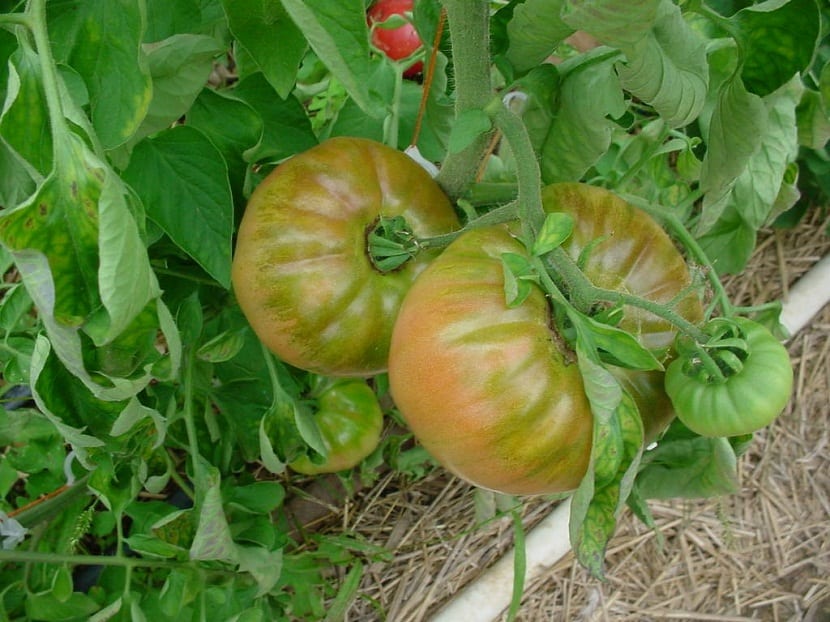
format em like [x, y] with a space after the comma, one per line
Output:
[469, 26]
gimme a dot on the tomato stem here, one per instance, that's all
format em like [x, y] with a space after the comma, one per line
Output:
[500, 215]
[678, 230]
[469, 26]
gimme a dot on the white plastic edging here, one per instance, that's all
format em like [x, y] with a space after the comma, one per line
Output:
[486, 598]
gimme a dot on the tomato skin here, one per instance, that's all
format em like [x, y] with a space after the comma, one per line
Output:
[301, 270]
[350, 421]
[747, 401]
[488, 390]
[396, 43]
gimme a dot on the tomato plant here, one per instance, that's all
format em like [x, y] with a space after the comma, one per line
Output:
[145, 411]
[400, 42]
[474, 377]
[302, 271]
[350, 421]
[746, 385]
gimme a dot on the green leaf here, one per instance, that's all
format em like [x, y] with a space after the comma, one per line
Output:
[580, 131]
[738, 122]
[263, 565]
[779, 39]
[519, 277]
[24, 124]
[468, 126]
[338, 34]
[756, 189]
[232, 126]
[557, 228]
[619, 23]
[259, 498]
[182, 179]
[180, 67]
[154, 547]
[165, 19]
[47, 607]
[223, 347]
[687, 465]
[346, 594]
[814, 119]
[729, 243]
[535, 31]
[286, 126]
[614, 345]
[667, 68]
[269, 36]
[101, 40]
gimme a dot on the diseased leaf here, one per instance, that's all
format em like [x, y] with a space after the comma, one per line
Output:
[598, 502]
[80, 202]
[213, 539]
[101, 40]
[17, 182]
[182, 179]
[24, 124]
[778, 39]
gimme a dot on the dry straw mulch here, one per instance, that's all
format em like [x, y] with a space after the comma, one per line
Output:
[762, 554]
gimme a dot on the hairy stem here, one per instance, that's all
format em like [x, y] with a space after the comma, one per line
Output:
[469, 26]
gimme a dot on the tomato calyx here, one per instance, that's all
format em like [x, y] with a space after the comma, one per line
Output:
[390, 243]
[722, 355]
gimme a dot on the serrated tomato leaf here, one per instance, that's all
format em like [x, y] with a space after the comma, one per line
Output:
[180, 66]
[268, 34]
[286, 128]
[534, 32]
[337, 32]
[182, 180]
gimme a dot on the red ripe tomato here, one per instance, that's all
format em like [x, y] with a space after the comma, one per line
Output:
[396, 43]
[492, 392]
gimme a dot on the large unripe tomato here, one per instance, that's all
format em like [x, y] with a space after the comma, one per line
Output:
[301, 270]
[492, 392]
[396, 43]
